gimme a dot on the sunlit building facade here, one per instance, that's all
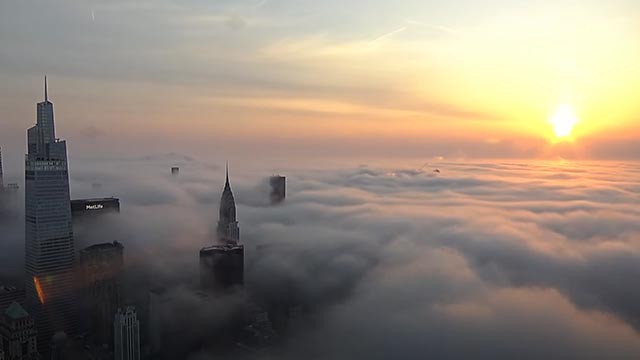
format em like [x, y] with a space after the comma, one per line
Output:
[49, 245]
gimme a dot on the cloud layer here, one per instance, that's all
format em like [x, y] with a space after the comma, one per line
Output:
[486, 260]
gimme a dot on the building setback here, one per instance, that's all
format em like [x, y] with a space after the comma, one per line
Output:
[127, 334]
[100, 270]
[49, 246]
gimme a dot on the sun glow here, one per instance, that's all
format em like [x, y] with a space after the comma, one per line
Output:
[563, 122]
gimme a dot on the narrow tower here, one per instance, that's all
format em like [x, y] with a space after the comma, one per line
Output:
[228, 230]
[49, 246]
[1, 175]
[126, 328]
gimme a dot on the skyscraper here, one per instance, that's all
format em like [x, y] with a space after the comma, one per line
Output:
[126, 329]
[49, 243]
[228, 230]
[18, 334]
[1, 174]
[100, 270]
[221, 266]
[278, 188]
[158, 319]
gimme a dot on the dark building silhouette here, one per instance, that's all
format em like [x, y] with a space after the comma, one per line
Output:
[278, 188]
[9, 294]
[18, 334]
[156, 326]
[100, 274]
[1, 173]
[221, 266]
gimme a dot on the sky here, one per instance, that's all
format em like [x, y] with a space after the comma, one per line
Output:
[411, 78]
[483, 260]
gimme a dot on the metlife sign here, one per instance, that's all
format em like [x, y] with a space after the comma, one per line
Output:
[94, 207]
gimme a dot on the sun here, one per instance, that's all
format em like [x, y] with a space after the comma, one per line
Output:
[563, 121]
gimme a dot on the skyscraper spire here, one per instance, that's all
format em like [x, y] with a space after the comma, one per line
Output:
[46, 96]
[228, 231]
[227, 182]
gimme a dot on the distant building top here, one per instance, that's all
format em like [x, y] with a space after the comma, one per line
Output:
[15, 311]
[104, 246]
[225, 247]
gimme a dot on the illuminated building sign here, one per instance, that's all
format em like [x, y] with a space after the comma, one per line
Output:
[94, 207]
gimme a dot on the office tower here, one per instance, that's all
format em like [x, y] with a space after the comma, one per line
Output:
[1, 174]
[86, 208]
[94, 221]
[9, 294]
[278, 188]
[158, 303]
[228, 230]
[100, 274]
[49, 260]
[221, 266]
[127, 334]
[18, 334]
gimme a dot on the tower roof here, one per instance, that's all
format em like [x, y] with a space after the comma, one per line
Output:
[227, 220]
[15, 311]
[227, 201]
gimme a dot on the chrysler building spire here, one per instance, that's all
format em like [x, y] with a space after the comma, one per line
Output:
[228, 231]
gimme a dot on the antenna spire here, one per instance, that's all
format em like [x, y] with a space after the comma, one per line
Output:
[227, 171]
[46, 96]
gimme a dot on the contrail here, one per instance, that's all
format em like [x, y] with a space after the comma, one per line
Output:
[389, 34]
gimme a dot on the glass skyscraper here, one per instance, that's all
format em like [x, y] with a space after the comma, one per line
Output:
[50, 294]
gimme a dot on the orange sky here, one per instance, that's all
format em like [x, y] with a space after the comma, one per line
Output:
[360, 75]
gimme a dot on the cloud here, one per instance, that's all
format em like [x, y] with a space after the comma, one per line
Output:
[485, 260]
